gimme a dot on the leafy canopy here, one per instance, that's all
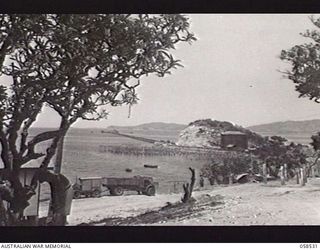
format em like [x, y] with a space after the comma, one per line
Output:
[305, 64]
[77, 65]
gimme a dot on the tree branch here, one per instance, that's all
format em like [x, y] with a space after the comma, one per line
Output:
[64, 126]
[24, 133]
[4, 150]
[41, 138]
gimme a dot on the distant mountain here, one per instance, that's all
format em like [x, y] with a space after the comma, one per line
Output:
[151, 126]
[288, 127]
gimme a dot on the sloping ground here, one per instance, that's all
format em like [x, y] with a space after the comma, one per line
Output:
[199, 136]
[263, 205]
[207, 133]
[246, 204]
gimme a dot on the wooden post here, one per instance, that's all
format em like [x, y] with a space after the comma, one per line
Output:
[286, 177]
[302, 178]
[264, 173]
[314, 171]
[230, 179]
[297, 175]
[282, 175]
[305, 176]
[201, 182]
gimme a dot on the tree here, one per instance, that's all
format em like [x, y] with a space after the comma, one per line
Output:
[229, 163]
[277, 151]
[188, 188]
[305, 64]
[316, 152]
[305, 69]
[78, 65]
[315, 141]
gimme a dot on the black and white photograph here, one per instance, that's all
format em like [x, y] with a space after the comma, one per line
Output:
[159, 119]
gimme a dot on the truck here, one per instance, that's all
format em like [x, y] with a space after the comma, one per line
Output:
[88, 187]
[94, 186]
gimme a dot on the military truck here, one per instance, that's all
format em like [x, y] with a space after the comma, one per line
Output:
[88, 187]
[141, 184]
[94, 186]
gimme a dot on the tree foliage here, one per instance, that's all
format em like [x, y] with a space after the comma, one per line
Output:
[78, 65]
[229, 163]
[305, 64]
[315, 141]
[277, 151]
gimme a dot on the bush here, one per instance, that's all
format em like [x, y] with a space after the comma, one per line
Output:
[234, 163]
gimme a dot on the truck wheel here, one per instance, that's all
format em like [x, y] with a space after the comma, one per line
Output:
[117, 191]
[150, 190]
[96, 193]
[76, 195]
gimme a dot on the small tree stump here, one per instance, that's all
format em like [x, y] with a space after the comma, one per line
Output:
[188, 187]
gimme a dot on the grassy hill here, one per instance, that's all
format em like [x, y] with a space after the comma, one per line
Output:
[207, 133]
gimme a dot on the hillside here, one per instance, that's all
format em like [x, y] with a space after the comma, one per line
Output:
[207, 133]
[309, 126]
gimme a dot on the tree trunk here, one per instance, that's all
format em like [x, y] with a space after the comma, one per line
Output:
[297, 175]
[211, 180]
[4, 220]
[58, 218]
[201, 182]
[59, 154]
[188, 188]
[60, 188]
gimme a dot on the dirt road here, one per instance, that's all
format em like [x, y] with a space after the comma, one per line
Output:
[241, 204]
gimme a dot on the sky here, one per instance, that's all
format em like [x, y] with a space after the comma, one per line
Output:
[230, 73]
